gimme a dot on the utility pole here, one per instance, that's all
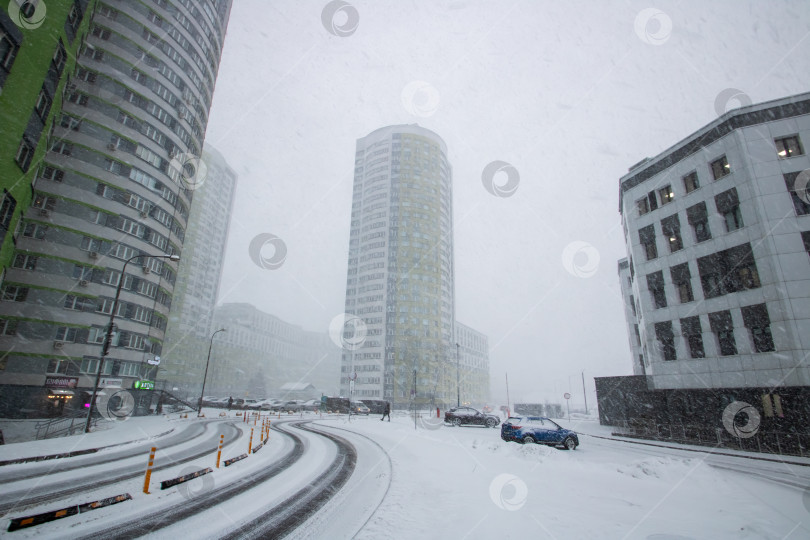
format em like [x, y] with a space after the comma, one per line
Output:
[584, 393]
[508, 406]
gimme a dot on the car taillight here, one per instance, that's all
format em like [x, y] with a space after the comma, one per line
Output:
[513, 426]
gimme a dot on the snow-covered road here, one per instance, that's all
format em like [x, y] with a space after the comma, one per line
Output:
[436, 481]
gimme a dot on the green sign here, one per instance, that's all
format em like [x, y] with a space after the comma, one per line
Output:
[143, 385]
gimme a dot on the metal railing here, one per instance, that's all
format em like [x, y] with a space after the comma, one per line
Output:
[63, 426]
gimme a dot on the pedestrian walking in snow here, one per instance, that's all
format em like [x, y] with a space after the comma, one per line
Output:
[230, 403]
[386, 412]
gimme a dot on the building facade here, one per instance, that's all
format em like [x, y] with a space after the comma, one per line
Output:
[37, 57]
[717, 279]
[189, 327]
[473, 363]
[259, 353]
[114, 187]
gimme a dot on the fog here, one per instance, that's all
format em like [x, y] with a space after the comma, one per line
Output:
[570, 94]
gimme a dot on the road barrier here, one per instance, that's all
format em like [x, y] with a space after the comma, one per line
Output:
[219, 452]
[234, 460]
[37, 519]
[149, 470]
[258, 447]
[185, 478]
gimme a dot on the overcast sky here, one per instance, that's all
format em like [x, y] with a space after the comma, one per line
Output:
[571, 94]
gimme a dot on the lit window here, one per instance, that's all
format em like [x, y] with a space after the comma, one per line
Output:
[787, 147]
[666, 194]
[720, 168]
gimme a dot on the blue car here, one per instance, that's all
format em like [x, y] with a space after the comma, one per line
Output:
[538, 429]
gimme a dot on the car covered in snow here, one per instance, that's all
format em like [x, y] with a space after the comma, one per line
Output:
[459, 416]
[538, 429]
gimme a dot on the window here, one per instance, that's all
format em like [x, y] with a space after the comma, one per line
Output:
[666, 340]
[647, 237]
[692, 332]
[8, 51]
[8, 327]
[70, 122]
[63, 147]
[723, 329]
[25, 153]
[85, 75]
[34, 230]
[129, 369]
[136, 342]
[806, 241]
[82, 272]
[78, 98]
[720, 168]
[74, 17]
[671, 227]
[96, 335]
[59, 58]
[698, 218]
[758, 323]
[6, 212]
[79, 303]
[681, 278]
[101, 33]
[788, 147]
[15, 293]
[666, 194]
[43, 105]
[690, 182]
[799, 189]
[26, 262]
[63, 333]
[90, 365]
[52, 173]
[111, 277]
[728, 271]
[733, 219]
[44, 202]
[91, 244]
[104, 305]
[655, 283]
[62, 367]
[728, 204]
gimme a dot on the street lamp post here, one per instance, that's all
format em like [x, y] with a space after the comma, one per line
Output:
[105, 349]
[458, 379]
[205, 376]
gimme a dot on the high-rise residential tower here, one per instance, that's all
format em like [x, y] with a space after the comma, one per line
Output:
[401, 269]
[115, 187]
[189, 328]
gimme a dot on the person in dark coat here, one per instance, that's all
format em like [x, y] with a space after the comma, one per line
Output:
[230, 402]
[386, 412]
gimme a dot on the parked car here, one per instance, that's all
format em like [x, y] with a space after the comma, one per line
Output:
[238, 403]
[291, 405]
[252, 404]
[467, 415]
[358, 407]
[268, 404]
[538, 429]
[311, 405]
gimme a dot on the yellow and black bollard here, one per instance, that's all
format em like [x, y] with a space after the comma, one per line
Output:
[250, 444]
[149, 470]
